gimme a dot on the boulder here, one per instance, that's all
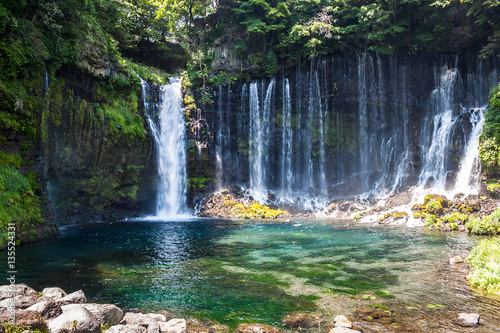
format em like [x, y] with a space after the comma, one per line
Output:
[144, 320]
[257, 328]
[475, 205]
[167, 314]
[157, 316]
[344, 206]
[78, 297]
[23, 296]
[134, 328]
[173, 326]
[467, 319]
[303, 320]
[106, 314]
[343, 330]
[47, 309]
[25, 318]
[456, 260]
[7, 291]
[342, 321]
[75, 319]
[53, 293]
[218, 328]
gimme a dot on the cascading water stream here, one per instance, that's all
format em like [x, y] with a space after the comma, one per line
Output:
[286, 150]
[469, 175]
[259, 132]
[170, 141]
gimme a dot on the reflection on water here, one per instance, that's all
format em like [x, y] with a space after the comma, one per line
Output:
[247, 272]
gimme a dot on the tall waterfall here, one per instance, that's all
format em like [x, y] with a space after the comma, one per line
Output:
[168, 129]
[364, 127]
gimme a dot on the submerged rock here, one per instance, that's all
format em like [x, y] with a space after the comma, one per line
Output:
[456, 260]
[467, 319]
[257, 328]
[303, 320]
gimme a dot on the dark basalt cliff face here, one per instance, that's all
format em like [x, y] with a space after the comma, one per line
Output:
[98, 152]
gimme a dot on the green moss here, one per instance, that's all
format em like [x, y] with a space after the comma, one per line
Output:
[485, 262]
[456, 218]
[434, 207]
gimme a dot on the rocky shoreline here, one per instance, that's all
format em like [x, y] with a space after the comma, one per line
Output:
[23, 309]
[433, 210]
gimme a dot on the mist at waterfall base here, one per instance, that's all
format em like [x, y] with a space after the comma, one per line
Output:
[360, 128]
[237, 272]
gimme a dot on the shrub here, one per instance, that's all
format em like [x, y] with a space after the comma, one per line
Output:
[485, 262]
[487, 225]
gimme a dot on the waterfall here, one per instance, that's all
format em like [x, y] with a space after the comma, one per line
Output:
[260, 122]
[469, 175]
[435, 143]
[286, 139]
[170, 139]
[362, 127]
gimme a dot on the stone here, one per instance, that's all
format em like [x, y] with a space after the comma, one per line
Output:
[467, 319]
[47, 309]
[134, 328]
[106, 314]
[23, 296]
[157, 316]
[53, 293]
[343, 330]
[257, 328]
[75, 319]
[475, 204]
[173, 326]
[219, 328]
[144, 320]
[78, 297]
[26, 318]
[303, 320]
[167, 314]
[344, 206]
[342, 321]
[7, 291]
[456, 260]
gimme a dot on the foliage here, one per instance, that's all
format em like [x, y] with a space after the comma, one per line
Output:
[487, 225]
[456, 217]
[19, 197]
[485, 262]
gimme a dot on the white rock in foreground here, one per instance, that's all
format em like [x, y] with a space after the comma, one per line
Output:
[143, 320]
[54, 293]
[78, 297]
[342, 321]
[75, 319]
[467, 319]
[107, 314]
[133, 328]
[173, 326]
[343, 330]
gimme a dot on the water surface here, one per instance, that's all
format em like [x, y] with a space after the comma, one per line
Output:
[237, 272]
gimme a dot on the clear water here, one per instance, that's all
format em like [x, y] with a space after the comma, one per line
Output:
[237, 272]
